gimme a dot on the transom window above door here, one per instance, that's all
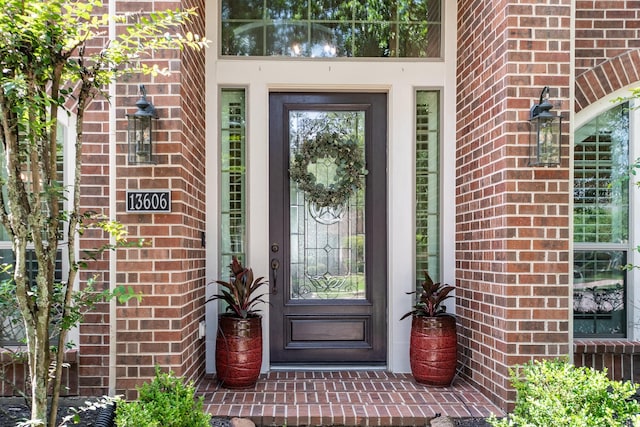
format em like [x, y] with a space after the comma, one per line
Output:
[331, 28]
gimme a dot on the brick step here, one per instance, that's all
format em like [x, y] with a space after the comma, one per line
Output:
[345, 398]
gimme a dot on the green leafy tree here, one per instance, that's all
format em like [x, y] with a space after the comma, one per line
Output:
[54, 60]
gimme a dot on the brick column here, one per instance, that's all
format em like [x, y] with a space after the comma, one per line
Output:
[170, 271]
[93, 332]
[93, 340]
[512, 220]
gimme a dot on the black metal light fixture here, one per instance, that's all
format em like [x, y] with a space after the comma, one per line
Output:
[546, 133]
[142, 127]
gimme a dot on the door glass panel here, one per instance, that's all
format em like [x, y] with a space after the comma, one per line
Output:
[327, 242]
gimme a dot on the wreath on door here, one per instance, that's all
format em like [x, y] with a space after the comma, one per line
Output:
[331, 148]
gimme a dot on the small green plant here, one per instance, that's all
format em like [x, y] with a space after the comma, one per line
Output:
[164, 402]
[556, 393]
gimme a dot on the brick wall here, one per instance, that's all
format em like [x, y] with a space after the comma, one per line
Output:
[193, 116]
[605, 29]
[620, 358]
[162, 329]
[606, 48]
[512, 235]
[94, 341]
[15, 375]
[607, 58]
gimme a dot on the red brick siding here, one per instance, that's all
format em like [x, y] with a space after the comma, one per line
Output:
[94, 340]
[193, 107]
[606, 48]
[162, 329]
[620, 358]
[15, 375]
[605, 29]
[512, 220]
[607, 59]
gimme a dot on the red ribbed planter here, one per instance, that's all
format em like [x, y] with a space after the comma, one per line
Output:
[433, 349]
[239, 351]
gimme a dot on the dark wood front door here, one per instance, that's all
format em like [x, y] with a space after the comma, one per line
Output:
[329, 262]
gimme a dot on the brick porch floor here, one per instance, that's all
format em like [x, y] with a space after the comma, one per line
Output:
[345, 398]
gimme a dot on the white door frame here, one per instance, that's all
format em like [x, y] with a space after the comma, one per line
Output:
[400, 79]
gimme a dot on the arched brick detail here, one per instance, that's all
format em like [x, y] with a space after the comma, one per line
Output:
[606, 78]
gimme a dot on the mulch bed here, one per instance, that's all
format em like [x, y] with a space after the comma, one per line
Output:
[13, 410]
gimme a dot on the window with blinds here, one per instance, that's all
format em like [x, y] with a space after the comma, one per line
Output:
[601, 225]
[232, 178]
[427, 179]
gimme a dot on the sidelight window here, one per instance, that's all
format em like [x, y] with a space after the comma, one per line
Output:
[427, 176]
[232, 178]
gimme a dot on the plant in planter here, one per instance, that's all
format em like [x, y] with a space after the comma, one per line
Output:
[433, 343]
[239, 337]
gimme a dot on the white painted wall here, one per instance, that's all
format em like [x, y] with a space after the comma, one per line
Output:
[400, 79]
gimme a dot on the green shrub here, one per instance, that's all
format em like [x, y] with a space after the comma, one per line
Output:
[165, 402]
[558, 394]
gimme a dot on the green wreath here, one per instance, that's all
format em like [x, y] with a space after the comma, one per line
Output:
[349, 162]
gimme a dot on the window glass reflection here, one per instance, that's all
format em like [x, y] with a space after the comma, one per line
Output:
[313, 29]
[599, 293]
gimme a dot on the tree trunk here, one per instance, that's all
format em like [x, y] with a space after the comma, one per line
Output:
[36, 323]
[39, 369]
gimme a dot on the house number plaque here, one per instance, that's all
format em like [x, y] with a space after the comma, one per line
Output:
[149, 201]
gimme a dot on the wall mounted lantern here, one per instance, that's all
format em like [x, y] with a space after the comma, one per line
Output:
[142, 127]
[546, 132]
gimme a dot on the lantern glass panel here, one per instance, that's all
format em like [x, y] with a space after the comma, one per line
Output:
[141, 139]
[545, 141]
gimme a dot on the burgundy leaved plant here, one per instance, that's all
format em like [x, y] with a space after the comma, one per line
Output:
[430, 298]
[240, 293]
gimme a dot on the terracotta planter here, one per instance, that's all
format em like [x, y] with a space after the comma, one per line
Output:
[239, 351]
[433, 349]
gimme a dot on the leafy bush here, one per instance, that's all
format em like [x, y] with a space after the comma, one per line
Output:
[556, 393]
[165, 402]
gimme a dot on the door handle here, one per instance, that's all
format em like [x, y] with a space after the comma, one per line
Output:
[275, 265]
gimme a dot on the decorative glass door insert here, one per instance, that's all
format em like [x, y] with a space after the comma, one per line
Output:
[327, 239]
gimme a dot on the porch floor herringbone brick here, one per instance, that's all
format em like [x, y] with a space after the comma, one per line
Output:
[344, 398]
